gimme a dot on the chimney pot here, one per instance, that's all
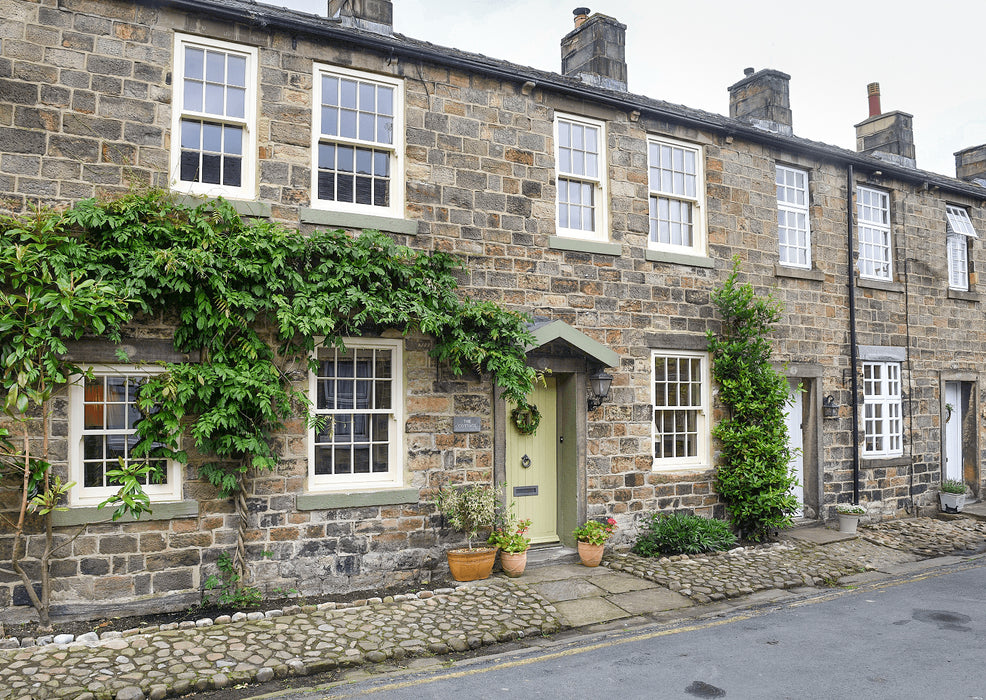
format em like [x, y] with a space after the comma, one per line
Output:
[581, 15]
[748, 71]
[873, 92]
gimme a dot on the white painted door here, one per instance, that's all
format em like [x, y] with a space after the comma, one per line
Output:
[953, 430]
[795, 433]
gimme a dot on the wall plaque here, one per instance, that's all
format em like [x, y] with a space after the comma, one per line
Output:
[466, 424]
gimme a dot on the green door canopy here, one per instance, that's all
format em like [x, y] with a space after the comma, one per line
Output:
[549, 331]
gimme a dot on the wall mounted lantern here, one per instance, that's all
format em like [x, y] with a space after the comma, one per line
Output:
[599, 388]
[829, 409]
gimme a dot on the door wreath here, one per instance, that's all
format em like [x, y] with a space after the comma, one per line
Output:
[526, 418]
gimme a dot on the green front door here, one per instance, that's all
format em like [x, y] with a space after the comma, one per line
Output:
[532, 467]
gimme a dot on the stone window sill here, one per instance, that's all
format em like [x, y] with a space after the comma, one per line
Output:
[355, 499]
[86, 515]
[579, 245]
[964, 295]
[349, 220]
[882, 462]
[800, 273]
[885, 285]
[243, 207]
[678, 258]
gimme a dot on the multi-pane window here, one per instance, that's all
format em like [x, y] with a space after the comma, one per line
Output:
[793, 231]
[873, 213]
[357, 395]
[882, 422]
[680, 399]
[677, 189]
[958, 237]
[103, 419]
[356, 142]
[581, 162]
[214, 140]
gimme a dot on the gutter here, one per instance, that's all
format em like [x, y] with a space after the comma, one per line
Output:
[331, 29]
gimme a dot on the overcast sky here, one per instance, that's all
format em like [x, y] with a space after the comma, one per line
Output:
[926, 57]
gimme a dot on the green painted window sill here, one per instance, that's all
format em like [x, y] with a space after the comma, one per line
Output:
[86, 515]
[355, 499]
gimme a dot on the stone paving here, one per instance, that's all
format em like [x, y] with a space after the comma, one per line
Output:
[215, 654]
[927, 537]
[173, 662]
[740, 571]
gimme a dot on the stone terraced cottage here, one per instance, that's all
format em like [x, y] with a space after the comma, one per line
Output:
[608, 217]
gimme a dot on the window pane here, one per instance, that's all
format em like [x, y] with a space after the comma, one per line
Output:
[194, 63]
[330, 90]
[236, 67]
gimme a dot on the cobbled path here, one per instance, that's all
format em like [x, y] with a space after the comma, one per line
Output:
[174, 662]
[738, 572]
[215, 654]
[928, 537]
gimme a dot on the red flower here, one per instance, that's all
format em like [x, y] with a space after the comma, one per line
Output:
[610, 521]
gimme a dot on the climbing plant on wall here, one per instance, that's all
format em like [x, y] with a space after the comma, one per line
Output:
[754, 478]
[251, 299]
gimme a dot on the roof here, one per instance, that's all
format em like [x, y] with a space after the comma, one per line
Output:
[292, 21]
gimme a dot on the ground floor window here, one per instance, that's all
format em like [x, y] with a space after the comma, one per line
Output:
[680, 396]
[103, 419]
[356, 396]
[883, 430]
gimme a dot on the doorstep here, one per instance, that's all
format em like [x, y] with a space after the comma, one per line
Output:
[550, 554]
[815, 533]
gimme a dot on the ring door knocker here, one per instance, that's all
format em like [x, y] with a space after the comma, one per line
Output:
[525, 462]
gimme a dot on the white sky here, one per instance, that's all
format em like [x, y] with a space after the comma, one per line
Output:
[926, 57]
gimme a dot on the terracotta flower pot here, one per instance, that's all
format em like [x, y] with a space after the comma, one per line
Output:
[591, 554]
[513, 563]
[471, 564]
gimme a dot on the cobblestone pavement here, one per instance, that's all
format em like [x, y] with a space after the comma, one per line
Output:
[173, 662]
[740, 571]
[213, 654]
[928, 537]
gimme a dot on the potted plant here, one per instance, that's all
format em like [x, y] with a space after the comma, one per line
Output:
[951, 495]
[592, 540]
[849, 515]
[469, 509]
[509, 537]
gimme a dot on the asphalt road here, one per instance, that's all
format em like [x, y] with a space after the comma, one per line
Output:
[922, 637]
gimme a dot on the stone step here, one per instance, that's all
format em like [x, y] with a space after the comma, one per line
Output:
[550, 554]
[976, 511]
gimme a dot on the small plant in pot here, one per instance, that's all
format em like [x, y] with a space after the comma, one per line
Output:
[951, 495]
[469, 509]
[592, 540]
[509, 536]
[849, 515]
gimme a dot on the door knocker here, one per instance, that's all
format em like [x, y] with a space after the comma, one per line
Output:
[525, 462]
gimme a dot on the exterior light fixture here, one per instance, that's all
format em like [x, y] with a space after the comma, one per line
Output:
[599, 387]
[829, 409]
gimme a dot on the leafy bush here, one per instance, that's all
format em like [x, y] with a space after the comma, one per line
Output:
[469, 509]
[952, 486]
[229, 592]
[682, 533]
[755, 477]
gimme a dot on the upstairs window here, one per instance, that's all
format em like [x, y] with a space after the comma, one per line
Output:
[358, 142]
[793, 232]
[103, 419]
[581, 168]
[357, 395]
[959, 234]
[214, 143]
[883, 425]
[875, 254]
[677, 195]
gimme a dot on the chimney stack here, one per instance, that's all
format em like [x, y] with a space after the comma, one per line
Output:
[375, 16]
[888, 136]
[595, 51]
[970, 165]
[763, 100]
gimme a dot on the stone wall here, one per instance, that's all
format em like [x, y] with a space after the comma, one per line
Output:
[87, 111]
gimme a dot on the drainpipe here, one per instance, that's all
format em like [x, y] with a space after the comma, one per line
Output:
[854, 381]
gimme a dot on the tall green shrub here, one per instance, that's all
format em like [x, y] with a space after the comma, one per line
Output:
[755, 479]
